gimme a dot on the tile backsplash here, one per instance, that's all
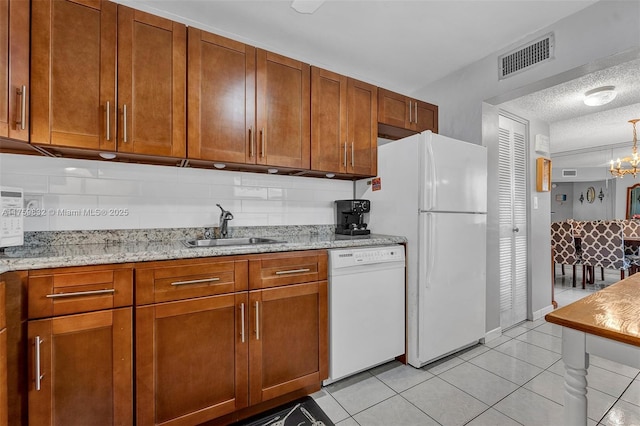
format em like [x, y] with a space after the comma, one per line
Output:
[76, 194]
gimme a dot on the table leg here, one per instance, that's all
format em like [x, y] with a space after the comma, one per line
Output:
[576, 362]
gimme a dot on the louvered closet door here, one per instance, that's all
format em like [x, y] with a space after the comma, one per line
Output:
[513, 221]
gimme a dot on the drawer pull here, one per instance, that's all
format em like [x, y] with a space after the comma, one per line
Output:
[81, 293]
[293, 271]
[38, 374]
[205, 280]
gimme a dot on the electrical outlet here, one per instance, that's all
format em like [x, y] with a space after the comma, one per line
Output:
[33, 201]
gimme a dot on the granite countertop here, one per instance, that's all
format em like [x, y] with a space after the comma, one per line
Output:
[103, 250]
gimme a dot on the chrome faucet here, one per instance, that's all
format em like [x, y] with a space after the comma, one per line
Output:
[225, 216]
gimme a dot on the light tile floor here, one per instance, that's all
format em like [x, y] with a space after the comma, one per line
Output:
[516, 379]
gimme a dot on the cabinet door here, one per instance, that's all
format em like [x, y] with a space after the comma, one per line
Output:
[81, 369]
[363, 128]
[221, 98]
[73, 48]
[191, 359]
[151, 84]
[283, 111]
[288, 347]
[392, 108]
[14, 69]
[4, 409]
[426, 117]
[328, 121]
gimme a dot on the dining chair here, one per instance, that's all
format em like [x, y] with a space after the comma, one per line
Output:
[564, 249]
[632, 242]
[602, 246]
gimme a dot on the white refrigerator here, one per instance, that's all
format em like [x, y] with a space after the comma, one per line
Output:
[433, 190]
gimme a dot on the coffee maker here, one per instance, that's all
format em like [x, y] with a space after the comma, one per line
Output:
[350, 217]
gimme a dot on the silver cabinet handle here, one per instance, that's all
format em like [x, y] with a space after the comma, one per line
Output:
[292, 271]
[257, 320]
[80, 293]
[410, 112]
[242, 321]
[108, 121]
[262, 142]
[353, 161]
[124, 123]
[205, 280]
[251, 141]
[416, 109]
[22, 92]
[345, 154]
[38, 374]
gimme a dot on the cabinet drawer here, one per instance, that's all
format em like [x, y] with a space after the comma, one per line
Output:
[278, 269]
[184, 280]
[54, 292]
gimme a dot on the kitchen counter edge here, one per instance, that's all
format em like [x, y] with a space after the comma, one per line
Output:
[38, 257]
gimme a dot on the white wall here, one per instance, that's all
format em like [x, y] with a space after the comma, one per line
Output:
[596, 32]
[562, 210]
[598, 210]
[165, 196]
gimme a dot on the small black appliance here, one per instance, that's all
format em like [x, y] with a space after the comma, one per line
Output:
[350, 217]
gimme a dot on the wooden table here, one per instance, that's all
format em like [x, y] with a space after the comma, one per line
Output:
[606, 324]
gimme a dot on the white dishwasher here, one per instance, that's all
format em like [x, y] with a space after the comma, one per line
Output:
[366, 308]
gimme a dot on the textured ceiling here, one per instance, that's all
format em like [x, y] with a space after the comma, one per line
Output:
[576, 126]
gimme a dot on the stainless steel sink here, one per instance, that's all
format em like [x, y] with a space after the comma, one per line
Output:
[218, 242]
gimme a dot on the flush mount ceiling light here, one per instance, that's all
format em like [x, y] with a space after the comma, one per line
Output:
[634, 160]
[600, 96]
[306, 6]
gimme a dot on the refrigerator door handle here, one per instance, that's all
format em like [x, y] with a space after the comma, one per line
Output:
[431, 255]
[431, 169]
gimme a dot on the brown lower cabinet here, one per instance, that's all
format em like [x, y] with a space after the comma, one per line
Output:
[216, 339]
[4, 408]
[191, 358]
[82, 369]
[80, 346]
[287, 349]
[205, 357]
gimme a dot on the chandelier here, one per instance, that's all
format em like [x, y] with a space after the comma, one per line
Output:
[634, 160]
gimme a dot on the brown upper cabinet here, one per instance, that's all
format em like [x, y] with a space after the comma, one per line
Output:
[246, 105]
[77, 47]
[400, 116]
[14, 69]
[344, 124]
[221, 96]
[283, 103]
[152, 79]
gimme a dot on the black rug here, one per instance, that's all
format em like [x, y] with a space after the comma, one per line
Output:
[303, 412]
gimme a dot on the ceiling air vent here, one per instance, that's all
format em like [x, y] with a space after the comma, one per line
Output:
[540, 50]
[569, 173]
